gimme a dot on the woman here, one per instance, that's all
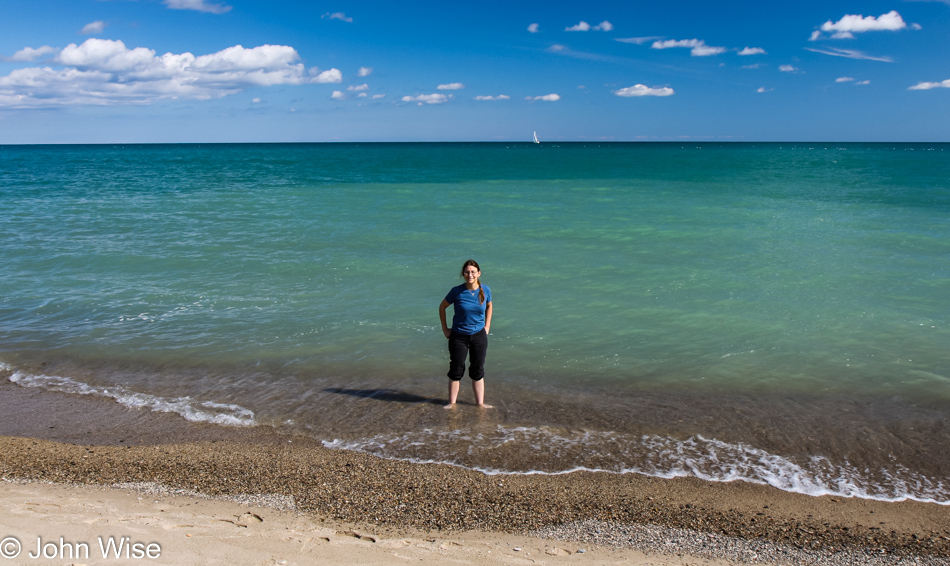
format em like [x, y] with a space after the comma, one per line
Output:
[469, 333]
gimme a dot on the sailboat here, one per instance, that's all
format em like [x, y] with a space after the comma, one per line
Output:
[536, 138]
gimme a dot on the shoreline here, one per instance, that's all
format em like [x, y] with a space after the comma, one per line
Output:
[392, 501]
[388, 496]
[874, 448]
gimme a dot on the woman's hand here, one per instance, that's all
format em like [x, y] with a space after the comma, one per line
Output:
[445, 327]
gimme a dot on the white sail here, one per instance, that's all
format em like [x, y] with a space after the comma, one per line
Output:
[536, 138]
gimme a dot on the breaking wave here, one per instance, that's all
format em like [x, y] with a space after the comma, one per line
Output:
[549, 451]
[191, 409]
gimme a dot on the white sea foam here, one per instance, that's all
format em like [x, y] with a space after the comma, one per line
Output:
[191, 409]
[652, 455]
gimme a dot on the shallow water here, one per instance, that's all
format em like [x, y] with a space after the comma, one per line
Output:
[771, 312]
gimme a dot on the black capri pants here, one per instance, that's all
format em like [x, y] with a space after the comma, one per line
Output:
[475, 346]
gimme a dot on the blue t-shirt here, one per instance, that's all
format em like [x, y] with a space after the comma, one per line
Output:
[469, 317]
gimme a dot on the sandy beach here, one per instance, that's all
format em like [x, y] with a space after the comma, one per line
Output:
[227, 495]
[193, 530]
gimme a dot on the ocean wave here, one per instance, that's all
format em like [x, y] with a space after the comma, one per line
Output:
[560, 452]
[191, 409]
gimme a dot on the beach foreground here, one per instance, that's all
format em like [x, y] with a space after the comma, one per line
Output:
[194, 530]
[306, 492]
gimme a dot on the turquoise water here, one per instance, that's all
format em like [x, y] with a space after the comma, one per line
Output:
[659, 308]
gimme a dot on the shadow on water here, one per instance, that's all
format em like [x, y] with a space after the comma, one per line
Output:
[391, 395]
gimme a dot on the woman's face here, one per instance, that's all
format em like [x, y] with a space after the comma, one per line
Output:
[471, 274]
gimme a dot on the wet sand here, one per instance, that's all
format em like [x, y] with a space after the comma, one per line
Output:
[69, 439]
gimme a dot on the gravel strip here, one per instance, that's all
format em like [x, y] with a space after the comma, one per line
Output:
[671, 541]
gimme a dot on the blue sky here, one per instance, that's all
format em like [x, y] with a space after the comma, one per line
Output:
[122, 71]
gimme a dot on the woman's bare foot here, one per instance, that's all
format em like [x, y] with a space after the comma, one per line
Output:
[449, 406]
[486, 406]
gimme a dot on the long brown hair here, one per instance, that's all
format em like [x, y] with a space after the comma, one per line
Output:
[473, 263]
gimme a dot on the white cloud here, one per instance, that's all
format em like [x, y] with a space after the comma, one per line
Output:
[546, 98]
[437, 98]
[643, 90]
[788, 69]
[755, 66]
[850, 54]
[337, 16]
[326, 77]
[378, 96]
[358, 88]
[499, 97]
[762, 89]
[112, 56]
[890, 21]
[364, 72]
[584, 26]
[255, 101]
[451, 86]
[752, 51]
[198, 5]
[103, 72]
[844, 79]
[28, 54]
[706, 50]
[638, 40]
[533, 28]
[338, 95]
[850, 24]
[92, 28]
[863, 83]
[677, 43]
[698, 47]
[929, 86]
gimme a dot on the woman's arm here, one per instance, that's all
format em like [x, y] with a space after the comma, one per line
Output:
[445, 328]
[487, 317]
